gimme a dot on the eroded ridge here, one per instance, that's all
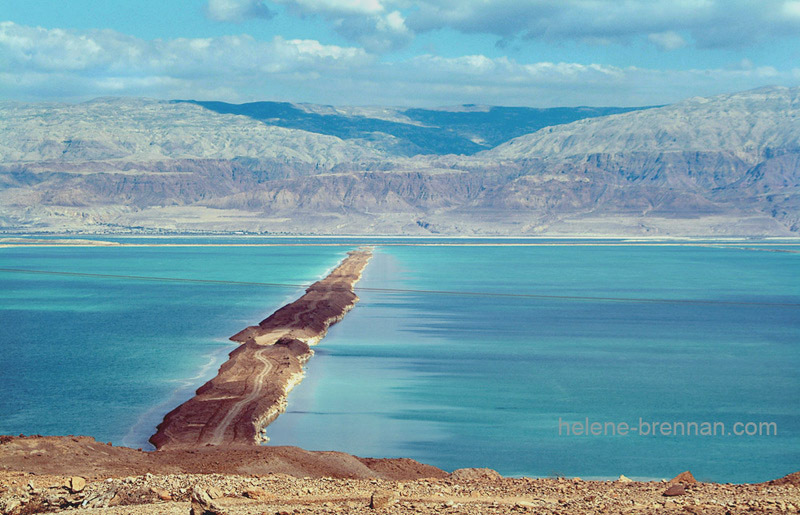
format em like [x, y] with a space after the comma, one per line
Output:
[250, 390]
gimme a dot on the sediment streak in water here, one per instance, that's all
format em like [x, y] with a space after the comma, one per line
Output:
[250, 390]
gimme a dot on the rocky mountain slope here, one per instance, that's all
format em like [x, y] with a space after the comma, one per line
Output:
[409, 132]
[730, 155]
[140, 130]
[727, 165]
[752, 126]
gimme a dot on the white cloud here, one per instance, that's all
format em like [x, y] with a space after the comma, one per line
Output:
[667, 40]
[376, 33]
[711, 23]
[237, 10]
[368, 22]
[386, 25]
[435, 80]
[337, 7]
[383, 25]
[505, 72]
[30, 49]
[791, 10]
[94, 63]
[54, 64]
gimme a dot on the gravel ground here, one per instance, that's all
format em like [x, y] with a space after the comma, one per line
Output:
[470, 491]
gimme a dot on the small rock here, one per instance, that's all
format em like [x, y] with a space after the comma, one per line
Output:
[381, 499]
[674, 490]
[162, 494]
[11, 505]
[76, 484]
[257, 494]
[214, 492]
[202, 505]
[623, 479]
[684, 477]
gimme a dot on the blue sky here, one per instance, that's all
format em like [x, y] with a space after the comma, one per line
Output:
[397, 52]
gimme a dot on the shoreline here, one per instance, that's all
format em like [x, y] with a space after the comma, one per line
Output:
[7, 234]
[52, 473]
[721, 244]
[251, 387]
[139, 433]
[92, 240]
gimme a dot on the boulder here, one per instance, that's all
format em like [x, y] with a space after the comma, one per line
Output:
[381, 499]
[202, 504]
[674, 490]
[161, 493]
[685, 478]
[76, 484]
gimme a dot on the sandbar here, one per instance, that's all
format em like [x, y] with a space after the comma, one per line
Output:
[251, 388]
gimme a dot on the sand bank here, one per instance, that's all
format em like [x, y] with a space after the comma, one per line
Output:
[250, 390]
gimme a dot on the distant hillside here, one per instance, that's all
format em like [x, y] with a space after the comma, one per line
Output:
[725, 158]
[141, 131]
[726, 165]
[408, 132]
[753, 125]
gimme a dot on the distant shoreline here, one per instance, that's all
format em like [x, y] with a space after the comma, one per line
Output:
[445, 241]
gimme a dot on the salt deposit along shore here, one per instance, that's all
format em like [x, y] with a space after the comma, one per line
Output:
[250, 390]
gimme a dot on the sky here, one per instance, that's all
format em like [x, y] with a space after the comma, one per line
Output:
[425, 53]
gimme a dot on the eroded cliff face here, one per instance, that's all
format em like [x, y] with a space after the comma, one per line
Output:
[727, 165]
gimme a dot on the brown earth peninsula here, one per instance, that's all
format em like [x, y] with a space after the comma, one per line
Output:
[250, 390]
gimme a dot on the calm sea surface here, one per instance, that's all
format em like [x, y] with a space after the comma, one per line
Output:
[444, 373]
[110, 357]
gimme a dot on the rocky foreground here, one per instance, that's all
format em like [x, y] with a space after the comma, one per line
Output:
[47, 474]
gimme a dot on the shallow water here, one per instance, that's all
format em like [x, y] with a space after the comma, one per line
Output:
[449, 379]
[110, 357]
[469, 380]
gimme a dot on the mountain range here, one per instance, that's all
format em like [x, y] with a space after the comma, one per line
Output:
[727, 165]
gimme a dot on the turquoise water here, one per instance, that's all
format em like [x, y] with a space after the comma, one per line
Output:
[451, 380]
[110, 357]
[460, 381]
